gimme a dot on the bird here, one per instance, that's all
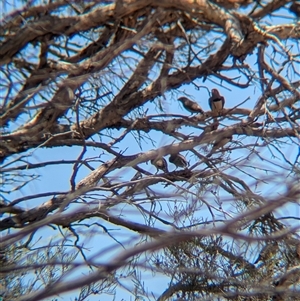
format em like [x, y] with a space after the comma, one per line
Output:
[190, 105]
[267, 252]
[160, 163]
[220, 143]
[216, 102]
[178, 160]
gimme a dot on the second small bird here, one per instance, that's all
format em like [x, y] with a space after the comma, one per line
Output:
[190, 105]
[178, 160]
[220, 143]
[160, 163]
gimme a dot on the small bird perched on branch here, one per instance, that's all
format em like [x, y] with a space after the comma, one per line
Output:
[160, 163]
[220, 143]
[267, 252]
[178, 160]
[190, 105]
[216, 102]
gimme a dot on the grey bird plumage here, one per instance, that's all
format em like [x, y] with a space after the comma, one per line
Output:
[190, 105]
[220, 143]
[160, 163]
[216, 102]
[178, 160]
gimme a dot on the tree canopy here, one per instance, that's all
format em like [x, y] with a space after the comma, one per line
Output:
[150, 150]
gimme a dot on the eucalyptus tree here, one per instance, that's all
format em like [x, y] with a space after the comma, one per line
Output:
[108, 179]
